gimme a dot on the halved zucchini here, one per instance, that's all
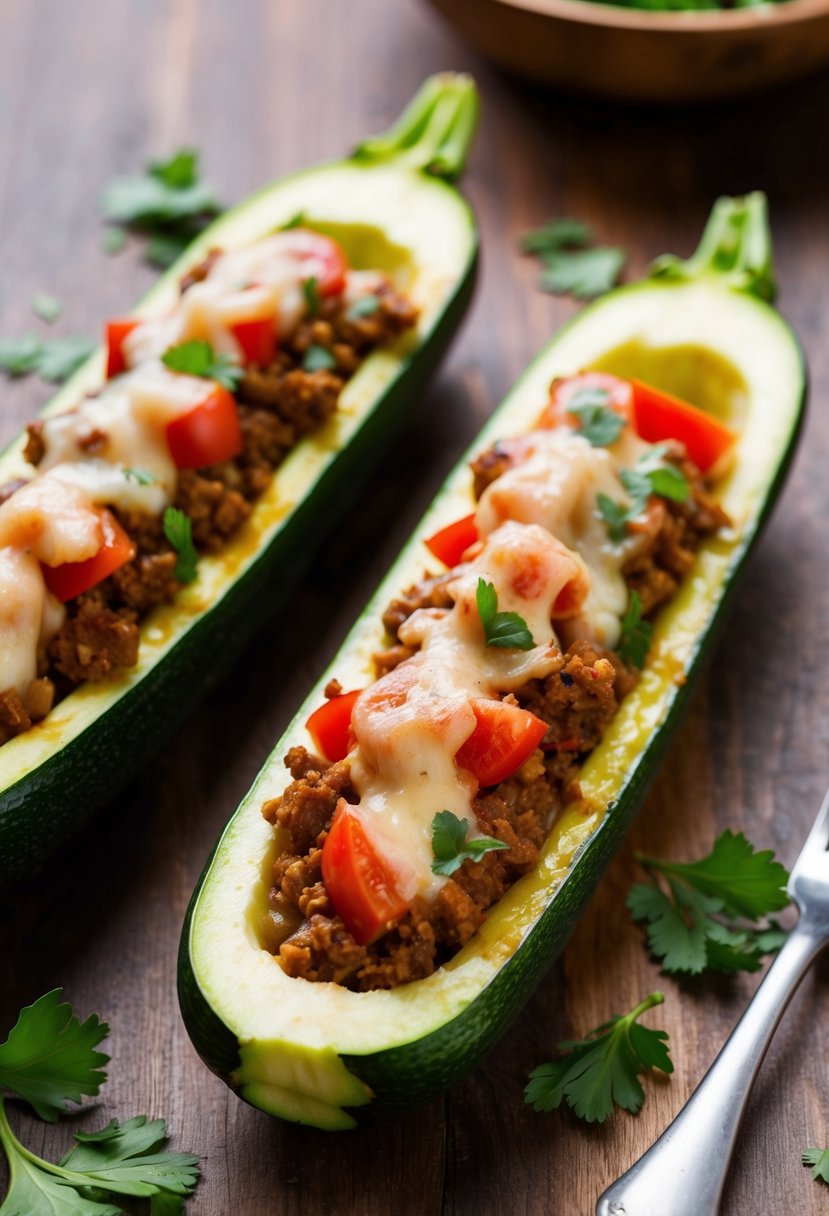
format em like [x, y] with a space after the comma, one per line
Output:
[389, 208]
[320, 1054]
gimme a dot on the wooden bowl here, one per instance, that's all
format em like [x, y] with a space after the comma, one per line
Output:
[627, 53]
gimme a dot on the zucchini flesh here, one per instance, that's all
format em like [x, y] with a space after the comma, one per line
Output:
[391, 211]
[318, 1053]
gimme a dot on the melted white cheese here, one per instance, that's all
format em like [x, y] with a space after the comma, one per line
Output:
[410, 724]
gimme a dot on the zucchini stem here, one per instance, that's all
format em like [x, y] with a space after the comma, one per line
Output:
[736, 246]
[435, 130]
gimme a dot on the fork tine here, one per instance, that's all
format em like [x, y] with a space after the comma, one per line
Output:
[816, 843]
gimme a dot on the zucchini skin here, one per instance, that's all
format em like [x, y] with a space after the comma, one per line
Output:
[42, 810]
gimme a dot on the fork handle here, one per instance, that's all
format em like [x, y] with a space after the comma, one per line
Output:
[684, 1172]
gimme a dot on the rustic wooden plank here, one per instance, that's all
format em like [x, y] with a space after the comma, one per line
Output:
[87, 91]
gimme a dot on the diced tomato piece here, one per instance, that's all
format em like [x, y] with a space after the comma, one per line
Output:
[257, 340]
[659, 416]
[361, 885]
[330, 725]
[563, 390]
[116, 334]
[503, 739]
[72, 578]
[207, 434]
[451, 542]
[320, 258]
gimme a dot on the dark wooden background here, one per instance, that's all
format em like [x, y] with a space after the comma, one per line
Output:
[88, 90]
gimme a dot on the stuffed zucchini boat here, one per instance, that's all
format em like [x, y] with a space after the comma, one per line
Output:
[159, 508]
[370, 950]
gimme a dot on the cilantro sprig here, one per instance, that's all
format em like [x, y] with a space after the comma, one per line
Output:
[168, 204]
[598, 423]
[197, 358]
[452, 846]
[652, 474]
[602, 1069]
[505, 629]
[818, 1158]
[696, 915]
[636, 633]
[48, 1059]
[568, 264]
[178, 528]
[54, 359]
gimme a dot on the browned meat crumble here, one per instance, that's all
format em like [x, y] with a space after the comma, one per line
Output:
[577, 700]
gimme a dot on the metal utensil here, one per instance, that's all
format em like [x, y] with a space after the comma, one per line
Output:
[684, 1172]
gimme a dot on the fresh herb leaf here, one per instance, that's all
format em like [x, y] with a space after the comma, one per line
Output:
[451, 845]
[819, 1158]
[114, 239]
[615, 516]
[363, 306]
[197, 358]
[20, 356]
[123, 1157]
[296, 221]
[178, 528]
[555, 235]
[46, 307]
[600, 425]
[139, 476]
[665, 479]
[583, 273]
[163, 248]
[179, 172]
[310, 290]
[505, 629]
[49, 1057]
[652, 474]
[691, 920]
[318, 359]
[636, 633]
[602, 1069]
[61, 357]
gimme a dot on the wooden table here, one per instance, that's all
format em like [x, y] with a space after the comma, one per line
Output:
[89, 90]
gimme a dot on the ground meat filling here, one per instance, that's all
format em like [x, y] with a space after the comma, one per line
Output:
[577, 700]
[278, 405]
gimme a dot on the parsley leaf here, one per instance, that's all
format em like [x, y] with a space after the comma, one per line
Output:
[819, 1158]
[557, 234]
[178, 528]
[602, 1069]
[123, 1157]
[635, 638]
[318, 359]
[363, 306]
[46, 307]
[583, 273]
[505, 629]
[652, 474]
[20, 356]
[452, 847]
[61, 358]
[165, 248]
[310, 290]
[664, 478]
[599, 424]
[197, 358]
[49, 1057]
[691, 921]
[179, 172]
[140, 476]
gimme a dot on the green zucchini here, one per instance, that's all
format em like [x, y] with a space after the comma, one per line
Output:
[390, 209]
[319, 1054]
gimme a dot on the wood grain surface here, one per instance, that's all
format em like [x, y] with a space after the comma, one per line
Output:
[88, 90]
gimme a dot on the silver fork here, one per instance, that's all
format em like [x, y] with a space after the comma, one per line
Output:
[684, 1172]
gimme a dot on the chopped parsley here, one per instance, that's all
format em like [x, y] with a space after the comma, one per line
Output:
[819, 1159]
[311, 292]
[696, 921]
[452, 846]
[46, 307]
[599, 424]
[54, 360]
[20, 356]
[49, 1059]
[178, 528]
[652, 474]
[318, 359]
[506, 629]
[363, 306]
[140, 476]
[602, 1069]
[568, 264]
[197, 358]
[636, 635]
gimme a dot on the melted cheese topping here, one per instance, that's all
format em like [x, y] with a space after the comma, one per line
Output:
[410, 723]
